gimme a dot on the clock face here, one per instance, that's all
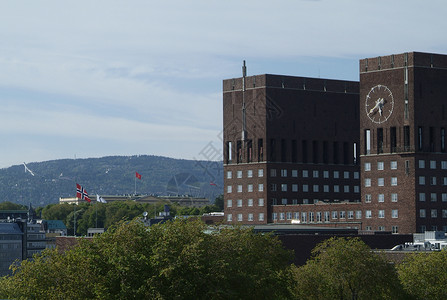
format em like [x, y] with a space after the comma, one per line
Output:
[379, 104]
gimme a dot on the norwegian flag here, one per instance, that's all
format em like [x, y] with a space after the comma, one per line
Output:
[81, 193]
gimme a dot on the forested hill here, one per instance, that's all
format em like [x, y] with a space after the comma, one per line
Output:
[112, 175]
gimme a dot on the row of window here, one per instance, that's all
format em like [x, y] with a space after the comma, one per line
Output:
[394, 229]
[432, 179]
[250, 217]
[433, 213]
[393, 165]
[432, 164]
[381, 181]
[284, 187]
[381, 198]
[294, 174]
[433, 197]
[249, 202]
[381, 165]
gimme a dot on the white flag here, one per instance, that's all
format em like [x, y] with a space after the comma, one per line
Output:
[100, 199]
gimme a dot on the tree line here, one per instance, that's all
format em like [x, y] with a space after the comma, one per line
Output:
[184, 259]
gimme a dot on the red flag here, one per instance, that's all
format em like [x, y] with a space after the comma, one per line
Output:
[212, 183]
[81, 193]
[138, 175]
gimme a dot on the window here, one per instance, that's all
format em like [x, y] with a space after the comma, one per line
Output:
[229, 217]
[296, 215]
[336, 189]
[422, 213]
[381, 213]
[444, 197]
[239, 203]
[305, 201]
[261, 173]
[305, 188]
[433, 197]
[274, 202]
[381, 198]
[421, 164]
[356, 175]
[294, 187]
[239, 188]
[304, 217]
[284, 201]
[282, 216]
[380, 181]
[351, 214]
[381, 228]
[421, 180]
[342, 215]
[315, 173]
[394, 214]
[444, 165]
[239, 217]
[250, 217]
[311, 216]
[393, 181]
[444, 180]
[229, 203]
[283, 172]
[368, 198]
[395, 229]
[346, 188]
[356, 189]
[358, 214]
[305, 173]
[315, 188]
[368, 214]
[367, 166]
[380, 165]
[250, 173]
[336, 174]
[250, 202]
[326, 188]
[369, 228]
[289, 216]
[393, 165]
[250, 187]
[346, 174]
[325, 174]
[239, 174]
[261, 202]
[319, 216]
[229, 189]
[273, 173]
[274, 216]
[294, 201]
[294, 173]
[422, 197]
[393, 197]
[432, 180]
[432, 164]
[284, 187]
[261, 187]
[444, 213]
[367, 182]
[334, 215]
[434, 213]
[229, 174]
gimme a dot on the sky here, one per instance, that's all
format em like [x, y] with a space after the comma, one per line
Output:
[82, 79]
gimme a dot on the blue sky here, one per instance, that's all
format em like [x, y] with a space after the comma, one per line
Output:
[96, 78]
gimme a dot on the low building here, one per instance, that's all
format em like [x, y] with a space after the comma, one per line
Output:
[11, 237]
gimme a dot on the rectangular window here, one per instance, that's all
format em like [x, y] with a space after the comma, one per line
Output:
[379, 140]
[261, 152]
[346, 188]
[393, 181]
[305, 173]
[272, 172]
[395, 229]
[367, 182]
[381, 213]
[229, 174]
[434, 213]
[249, 151]
[444, 165]
[289, 216]
[367, 166]
[421, 180]
[294, 187]
[283, 187]
[350, 214]
[295, 173]
[346, 174]
[316, 188]
[393, 197]
[274, 216]
[229, 203]
[336, 174]
[325, 174]
[406, 138]
[305, 188]
[444, 197]
[367, 141]
[393, 165]
[422, 197]
[284, 201]
[334, 215]
[318, 216]
[250, 188]
[261, 202]
[326, 188]
[420, 138]
[380, 165]
[444, 213]
[356, 189]
[239, 188]
[394, 214]
[261, 173]
[282, 216]
[239, 203]
[380, 181]
[239, 217]
[431, 138]
[296, 215]
[249, 173]
[229, 189]
[250, 217]
[422, 213]
[283, 172]
[421, 164]
[356, 175]
[381, 198]
[444, 180]
[260, 187]
[304, 217]
[250, 202]
[229, 153]
[432, 164]
[368, 214]
[358, 214]
[442, 139]
[393, 139]
[315, 173]
[336, 188]
[342, 215]
[432, 180]
[433, 197]
[326, 216]
[273, 187]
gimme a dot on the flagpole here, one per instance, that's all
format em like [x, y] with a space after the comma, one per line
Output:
[135, 193]
[96, 209]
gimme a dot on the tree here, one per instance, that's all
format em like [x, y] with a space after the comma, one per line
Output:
[6, 205]
[346, 268]
[424, 275]
[175, 260]
[219, 202]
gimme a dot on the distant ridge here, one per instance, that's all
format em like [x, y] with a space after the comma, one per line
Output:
[110, 175]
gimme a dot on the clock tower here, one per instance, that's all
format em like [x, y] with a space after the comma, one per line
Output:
[402, 144]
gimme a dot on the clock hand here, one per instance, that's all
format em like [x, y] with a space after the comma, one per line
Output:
[372, 109]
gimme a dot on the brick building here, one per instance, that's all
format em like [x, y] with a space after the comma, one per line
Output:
[368, 155]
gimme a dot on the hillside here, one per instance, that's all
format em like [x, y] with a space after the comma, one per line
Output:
[110, 175]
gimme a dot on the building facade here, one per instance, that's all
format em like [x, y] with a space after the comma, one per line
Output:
[369, 155]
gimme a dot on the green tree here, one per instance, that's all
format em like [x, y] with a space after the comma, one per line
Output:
[346, 268]
[175, 260]
[6, 205]
[424, 275]
[219, 203]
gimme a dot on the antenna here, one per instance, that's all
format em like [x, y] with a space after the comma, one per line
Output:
[244, 129]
